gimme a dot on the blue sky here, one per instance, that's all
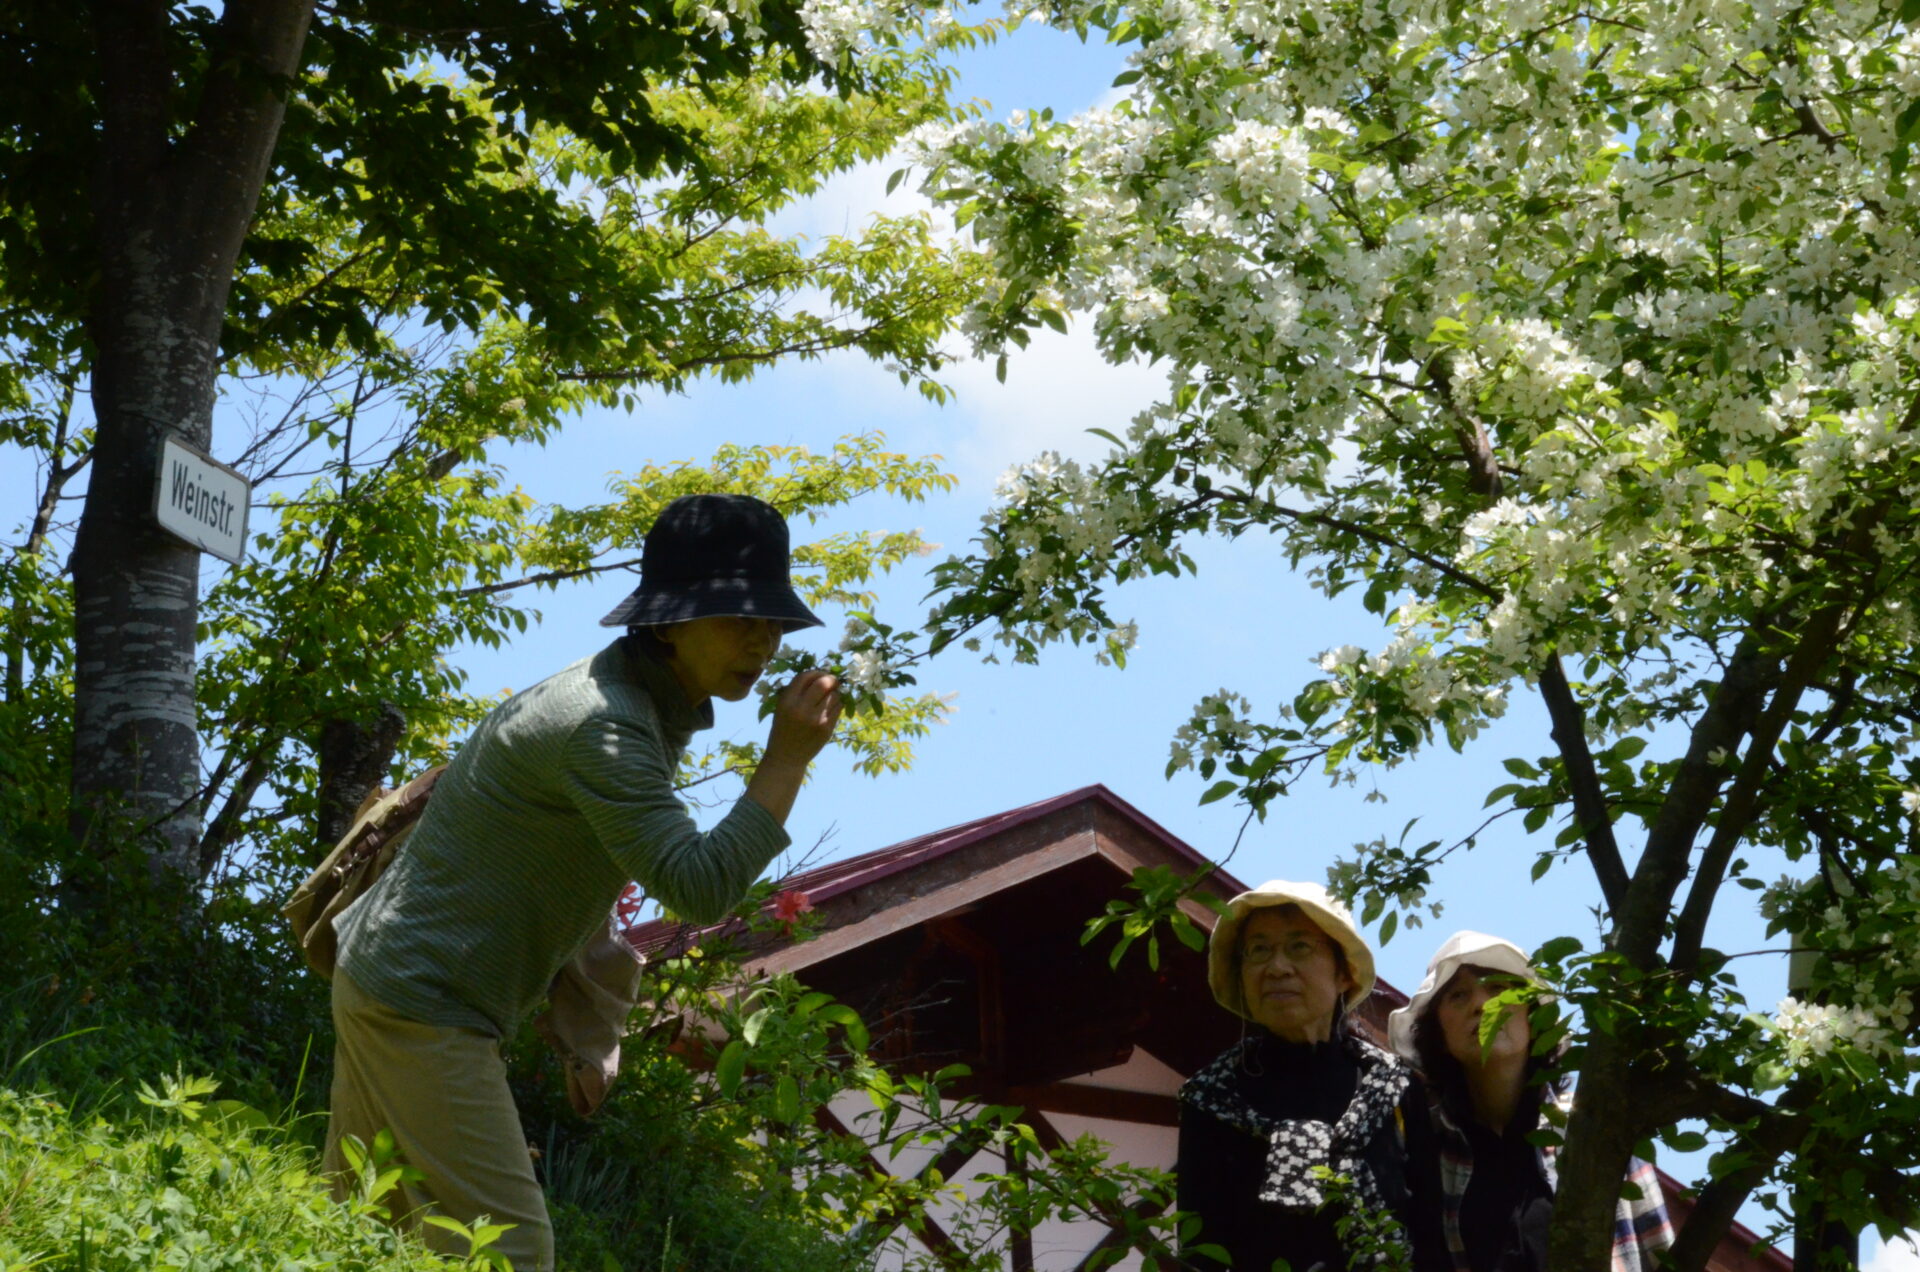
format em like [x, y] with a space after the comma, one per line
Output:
[1020, 734]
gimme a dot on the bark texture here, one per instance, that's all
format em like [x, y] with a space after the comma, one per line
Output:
[353, 760]
[1598, 1148]
[171, 207]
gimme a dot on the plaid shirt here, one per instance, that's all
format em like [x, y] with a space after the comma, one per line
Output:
[1641, 1228]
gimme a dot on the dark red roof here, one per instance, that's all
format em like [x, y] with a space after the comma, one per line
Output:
[823, 883]
[830, 880]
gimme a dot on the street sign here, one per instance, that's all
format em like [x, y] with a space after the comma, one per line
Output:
[202, 501]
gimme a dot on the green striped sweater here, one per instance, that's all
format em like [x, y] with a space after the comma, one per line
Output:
[563, 794]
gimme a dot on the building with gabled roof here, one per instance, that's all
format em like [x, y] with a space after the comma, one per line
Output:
[964, 945]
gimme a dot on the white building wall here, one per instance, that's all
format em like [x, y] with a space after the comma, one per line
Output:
[1057, 1246]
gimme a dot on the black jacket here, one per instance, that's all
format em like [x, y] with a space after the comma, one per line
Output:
[1222, 1168]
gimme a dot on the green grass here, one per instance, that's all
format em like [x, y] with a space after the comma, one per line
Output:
[192, 1184]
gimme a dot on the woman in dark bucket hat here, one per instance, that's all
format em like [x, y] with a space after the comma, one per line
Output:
[711, 556]
[562, 795]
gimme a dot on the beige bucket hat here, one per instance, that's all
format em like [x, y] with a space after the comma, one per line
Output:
[1317, 904]
[1462, 949]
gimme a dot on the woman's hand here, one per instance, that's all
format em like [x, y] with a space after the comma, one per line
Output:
[804, 714]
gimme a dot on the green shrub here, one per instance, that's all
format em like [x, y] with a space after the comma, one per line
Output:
[190, 1184]
[668, 1179]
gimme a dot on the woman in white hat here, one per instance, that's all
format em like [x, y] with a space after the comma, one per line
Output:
[1487, 1191]
[1298, 1091]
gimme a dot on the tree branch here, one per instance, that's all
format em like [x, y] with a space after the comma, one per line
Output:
[1640, 922]
[546, 576]
[1445, 568]
[1742, 802]
[1589, 800]
[1483, 470]
[225, 828]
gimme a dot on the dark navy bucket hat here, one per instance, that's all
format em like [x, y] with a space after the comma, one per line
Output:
[715, 556]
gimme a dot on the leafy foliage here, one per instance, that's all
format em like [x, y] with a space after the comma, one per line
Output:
[478, 218]
[392, 538]
[196, 1182]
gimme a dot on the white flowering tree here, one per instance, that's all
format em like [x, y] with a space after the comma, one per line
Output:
[1583, 341]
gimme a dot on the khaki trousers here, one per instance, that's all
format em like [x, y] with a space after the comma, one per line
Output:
[443, 1094]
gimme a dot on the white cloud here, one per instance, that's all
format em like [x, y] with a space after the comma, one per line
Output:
[1897, 1255]
[1056, 389]
[848, 201]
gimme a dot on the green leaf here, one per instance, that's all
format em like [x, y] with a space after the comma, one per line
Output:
[1560, 947]
[786, 1099]
[1627, 748]
[731, 1067]
[1858, 1063]
[1188, 932]
[1219, 791]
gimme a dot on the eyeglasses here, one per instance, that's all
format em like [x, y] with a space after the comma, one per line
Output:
[1298, 950]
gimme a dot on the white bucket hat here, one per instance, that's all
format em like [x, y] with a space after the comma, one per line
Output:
[1462, 949]
[1317, 904]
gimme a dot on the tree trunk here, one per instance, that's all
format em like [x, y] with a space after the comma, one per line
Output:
[171, 210]
[353, 758]
[1594, 1161]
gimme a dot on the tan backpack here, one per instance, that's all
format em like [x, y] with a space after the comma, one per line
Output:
[381, 825]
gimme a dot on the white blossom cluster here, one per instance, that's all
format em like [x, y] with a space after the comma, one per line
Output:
[1431, 682]
[1218, 721]
[837, 28]
[864, 658]
[869, 670]
[1651, 269]
[729, 15]
[1056, 521]
[1808, 1031]
[1868, 929]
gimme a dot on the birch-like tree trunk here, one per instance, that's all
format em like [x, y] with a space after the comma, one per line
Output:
[172, 207]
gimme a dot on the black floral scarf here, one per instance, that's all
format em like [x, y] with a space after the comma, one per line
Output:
[1296, 1145]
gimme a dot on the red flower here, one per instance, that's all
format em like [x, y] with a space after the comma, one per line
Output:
[788, 906]
[627, 908]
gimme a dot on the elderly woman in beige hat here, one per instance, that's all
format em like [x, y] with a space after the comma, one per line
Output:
[1299, 1090]
[1487, 1191]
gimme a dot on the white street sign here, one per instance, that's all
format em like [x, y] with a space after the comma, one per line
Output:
[202, 501]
